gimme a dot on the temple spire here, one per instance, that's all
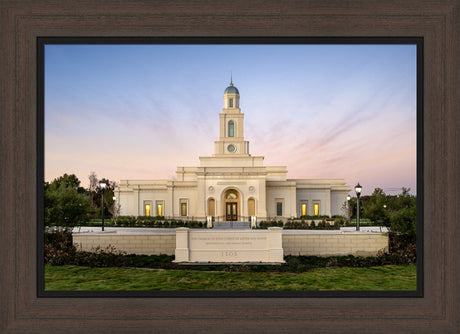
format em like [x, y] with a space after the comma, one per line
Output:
[231, 79]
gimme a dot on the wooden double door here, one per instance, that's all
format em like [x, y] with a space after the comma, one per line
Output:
[231, 211]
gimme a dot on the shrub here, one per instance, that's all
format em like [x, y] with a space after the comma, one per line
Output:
[404, 221]
[149, 221]
[58, 248]
[124, 221]
[314, 217]
[403, 247]
[339, 220]
[264, 224]
[99, 257]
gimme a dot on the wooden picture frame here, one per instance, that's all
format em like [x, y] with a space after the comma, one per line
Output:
[21, 309]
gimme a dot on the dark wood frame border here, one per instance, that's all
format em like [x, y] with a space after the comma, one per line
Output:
[22, 22]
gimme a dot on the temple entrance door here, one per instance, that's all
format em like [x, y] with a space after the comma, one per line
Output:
[231, 211]
[231, 205]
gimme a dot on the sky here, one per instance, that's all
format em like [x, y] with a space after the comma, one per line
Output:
[324, 111]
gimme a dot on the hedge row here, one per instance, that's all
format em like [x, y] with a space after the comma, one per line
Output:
[302, 225]
[158, 222]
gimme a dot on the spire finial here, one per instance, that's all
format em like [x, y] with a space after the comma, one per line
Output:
[231, 79]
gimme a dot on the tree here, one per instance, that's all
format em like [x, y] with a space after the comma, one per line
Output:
[353, 207]
[109, 193]
[398, 212]
[404, 218]
[93, 182]
[69, 181]
[66, 203]
[347, 209]
[376, 207]
[115, 209]
[404, 221]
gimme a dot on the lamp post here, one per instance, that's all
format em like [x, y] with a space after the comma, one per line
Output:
[102, 184]
[348, 206]
[358, 189]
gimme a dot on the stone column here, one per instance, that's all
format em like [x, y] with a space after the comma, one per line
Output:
[253, 222]
[182, 247]
[275, 244]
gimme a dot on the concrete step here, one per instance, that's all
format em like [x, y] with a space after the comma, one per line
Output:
[231, 225]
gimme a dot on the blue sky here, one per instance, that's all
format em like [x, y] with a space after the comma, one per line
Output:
[324, 111]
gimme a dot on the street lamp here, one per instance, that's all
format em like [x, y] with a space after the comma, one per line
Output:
[102, 184]
[358, 189]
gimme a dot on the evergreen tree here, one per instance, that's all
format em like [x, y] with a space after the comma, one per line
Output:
[66, 203]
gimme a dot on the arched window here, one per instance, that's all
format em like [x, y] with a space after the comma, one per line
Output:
[231, 195]
[211, 207]
[231, 103]
[231, 129]
[251, 207]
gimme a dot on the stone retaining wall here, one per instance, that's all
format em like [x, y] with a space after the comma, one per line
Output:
[358, 244]
[147, 244]
[298, 243]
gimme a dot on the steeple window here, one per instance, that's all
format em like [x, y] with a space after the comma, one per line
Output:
[231, 103]
[231, 128]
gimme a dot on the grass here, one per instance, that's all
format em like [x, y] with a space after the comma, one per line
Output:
[383, 278]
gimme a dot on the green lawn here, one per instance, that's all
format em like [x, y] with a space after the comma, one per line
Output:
[75, 278]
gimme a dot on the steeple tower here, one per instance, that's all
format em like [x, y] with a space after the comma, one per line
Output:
[232, 97]
[231, 141]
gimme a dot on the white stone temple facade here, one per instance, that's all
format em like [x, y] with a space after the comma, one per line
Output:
[232, 185]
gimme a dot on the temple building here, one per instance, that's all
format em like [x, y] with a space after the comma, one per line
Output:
[232, 185]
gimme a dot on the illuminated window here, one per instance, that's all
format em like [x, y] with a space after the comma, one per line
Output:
[304, 209]
[231, 196]
[251, 207]
[231, 129]
[231, 103]
[279, 208]
[316, 209]
[147, 209]
[183, 209]
[159, 209]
